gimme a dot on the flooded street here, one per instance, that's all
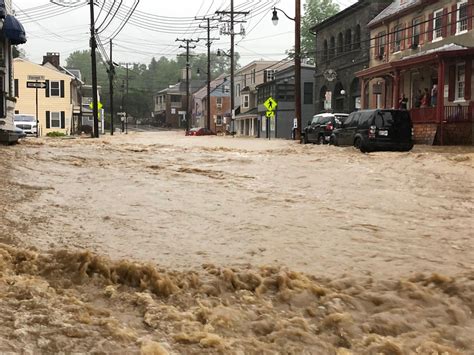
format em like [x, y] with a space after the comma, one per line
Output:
[159, 243]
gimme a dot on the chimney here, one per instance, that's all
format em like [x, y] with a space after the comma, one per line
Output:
[183, 74]
[52, 58]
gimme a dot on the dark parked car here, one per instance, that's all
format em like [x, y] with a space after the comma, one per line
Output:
[199, 132]
[320, 128]
[370, 130]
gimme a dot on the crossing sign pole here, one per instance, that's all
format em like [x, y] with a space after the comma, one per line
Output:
[36, 84]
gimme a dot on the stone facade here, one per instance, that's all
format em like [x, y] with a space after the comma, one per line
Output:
[342, 48]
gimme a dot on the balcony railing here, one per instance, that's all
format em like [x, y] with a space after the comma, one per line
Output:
[423, 115]
[458, 113]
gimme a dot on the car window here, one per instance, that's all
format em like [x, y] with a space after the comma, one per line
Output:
[364, 119]
[22, 118]
[386, 119]
[315, 119]
[325, 120]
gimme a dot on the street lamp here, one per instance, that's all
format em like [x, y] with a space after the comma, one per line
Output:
[297, 20]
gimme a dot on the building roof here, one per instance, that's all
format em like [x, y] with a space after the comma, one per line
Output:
[394, 9]
[180, 87]
[446, 47]
[202, 93]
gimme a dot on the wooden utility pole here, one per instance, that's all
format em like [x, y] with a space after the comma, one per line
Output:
[93, 44]
[188, 47]
[111, 87]
[209, 74]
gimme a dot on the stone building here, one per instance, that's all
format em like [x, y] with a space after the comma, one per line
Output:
[342, 49]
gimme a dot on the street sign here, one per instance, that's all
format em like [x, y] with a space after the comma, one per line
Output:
[36, 84]
[270, 104]
[99, 105]
[270, 114]
[36, 77]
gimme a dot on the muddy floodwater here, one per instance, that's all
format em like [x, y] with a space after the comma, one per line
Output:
[157, 243]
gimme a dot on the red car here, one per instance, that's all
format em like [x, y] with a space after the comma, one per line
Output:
[199, 132]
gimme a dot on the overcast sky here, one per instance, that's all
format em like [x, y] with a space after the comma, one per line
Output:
[154, 28]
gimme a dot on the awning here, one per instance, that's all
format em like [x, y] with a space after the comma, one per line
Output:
[14, 30]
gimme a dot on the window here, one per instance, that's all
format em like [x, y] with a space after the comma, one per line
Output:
[348, 40]
[332, 47]
[225, 89]
[253, 77]
[54, 88]
[340, 43]
[357, 37]
[219, 101]
[219, 120]
[308, 94]
[438, 25]
[55, 120]
[246, 101]
[460, 83]
[398, 38]
[381, 45]
[269, 75]
[175, 98]
[325, 50]
[416, 33]
[461, 17]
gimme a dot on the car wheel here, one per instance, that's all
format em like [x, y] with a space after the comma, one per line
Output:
[359, 145]
[321, 140]
[305, 139]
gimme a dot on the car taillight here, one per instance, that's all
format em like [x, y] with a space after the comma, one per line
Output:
[372, 131]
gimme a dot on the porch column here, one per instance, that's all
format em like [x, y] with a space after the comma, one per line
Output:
[396, 89]
[362, 94]
[440, 99]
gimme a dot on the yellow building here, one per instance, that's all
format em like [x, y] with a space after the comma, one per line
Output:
[57, 101]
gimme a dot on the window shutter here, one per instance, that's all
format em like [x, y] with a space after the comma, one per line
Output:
[17, 94]
[467, 86]
[454, 18]
[46, 90]
[423, 27]
[63, 119]
[452, 82]
[48, 119]
[376, 49]
[392, 40]
[430, 27]
[444, 23]
[62, 88]
[402, 36]
[387, 41]
[410, 34]
[470, 13]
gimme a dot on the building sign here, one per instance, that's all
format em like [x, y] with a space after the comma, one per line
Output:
[377, 89]
[36, 77]
[330, 74]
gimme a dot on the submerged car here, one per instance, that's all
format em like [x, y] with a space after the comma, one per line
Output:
[320, 128]
[380, 129]
[199, 132]
[27, 123]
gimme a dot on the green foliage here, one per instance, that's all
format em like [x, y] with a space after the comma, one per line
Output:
[55, 134]
[315, 11]
[144, 80]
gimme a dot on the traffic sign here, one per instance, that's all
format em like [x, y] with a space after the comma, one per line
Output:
[36, 84]
[36, 77]
[270, 104]
[91, 106]
[270, 114]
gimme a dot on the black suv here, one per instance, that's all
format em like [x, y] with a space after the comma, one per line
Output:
[320, 128]
[370, 130]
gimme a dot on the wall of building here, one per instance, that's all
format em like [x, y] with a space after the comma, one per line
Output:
[26, 100]
[336, 72]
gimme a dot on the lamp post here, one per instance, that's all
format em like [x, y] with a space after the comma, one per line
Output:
[297, 20]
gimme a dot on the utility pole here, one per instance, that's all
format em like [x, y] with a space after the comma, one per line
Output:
[209, 39]
[231, 31]
[126, 105]
[111, 87]
[298, 68]
[93, 45]
[188, 47]
[123, 106]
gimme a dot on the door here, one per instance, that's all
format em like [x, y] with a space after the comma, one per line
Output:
[311, 129]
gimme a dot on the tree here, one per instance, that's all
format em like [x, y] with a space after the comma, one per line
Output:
[315, 12]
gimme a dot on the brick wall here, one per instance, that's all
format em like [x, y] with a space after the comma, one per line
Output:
[425, 133]
[456, 133]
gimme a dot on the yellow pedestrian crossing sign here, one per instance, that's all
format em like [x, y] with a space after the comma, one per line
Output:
[99, 105]
[270, 104]
[270, 114]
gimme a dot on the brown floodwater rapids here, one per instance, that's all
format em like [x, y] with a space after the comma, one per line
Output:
[157, 243]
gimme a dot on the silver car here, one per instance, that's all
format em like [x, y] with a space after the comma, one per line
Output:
[27, 123]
